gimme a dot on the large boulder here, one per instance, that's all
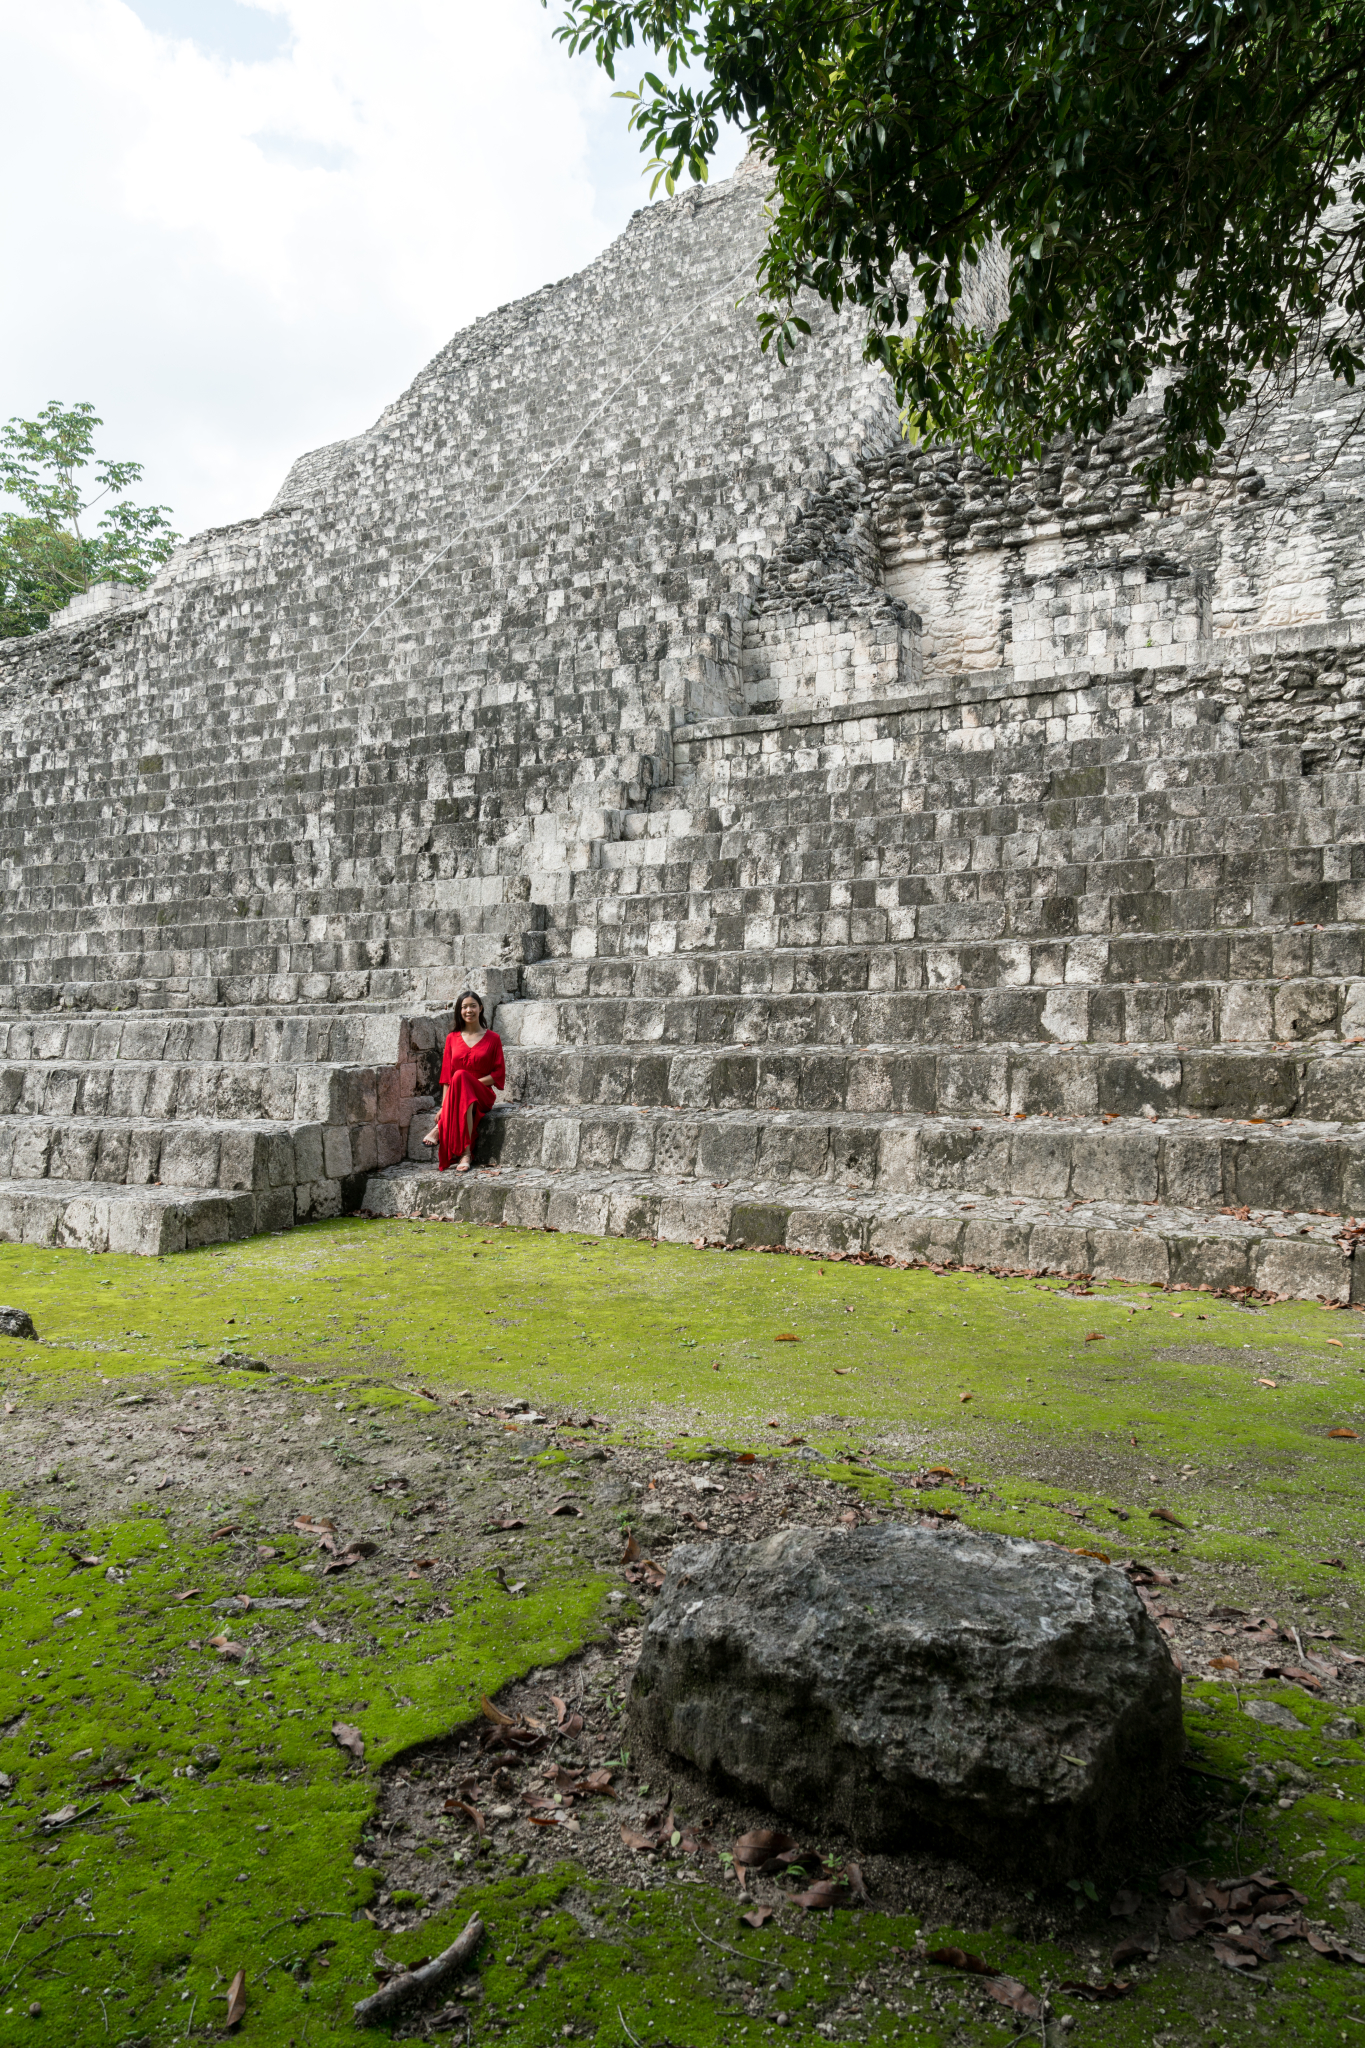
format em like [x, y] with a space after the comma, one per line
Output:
[17, 1322]
[997, 1698]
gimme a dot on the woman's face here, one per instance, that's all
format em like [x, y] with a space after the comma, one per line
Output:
[469, 1013]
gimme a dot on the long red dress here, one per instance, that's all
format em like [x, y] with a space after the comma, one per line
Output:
[466, 1072]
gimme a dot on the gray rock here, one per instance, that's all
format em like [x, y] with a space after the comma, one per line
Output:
[982, 1694]
[1341, 1728]
[17, 1322]
[238, 1361]
[1271, 1714]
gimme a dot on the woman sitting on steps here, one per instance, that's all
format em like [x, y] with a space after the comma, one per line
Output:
[470, 1071]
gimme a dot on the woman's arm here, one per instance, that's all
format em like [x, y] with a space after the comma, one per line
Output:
[497, 1072]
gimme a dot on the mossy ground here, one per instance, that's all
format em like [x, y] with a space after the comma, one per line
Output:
[127, 1924]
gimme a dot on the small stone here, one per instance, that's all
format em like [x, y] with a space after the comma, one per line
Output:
[17, 1322]
[35, 2011]
[1271, 1714]
[238, 1361]
[1341, 1728]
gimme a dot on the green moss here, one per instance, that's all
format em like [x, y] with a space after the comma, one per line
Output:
[171, 1893]
[218, 1821]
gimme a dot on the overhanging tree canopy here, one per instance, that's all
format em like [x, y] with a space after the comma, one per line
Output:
[1172, 186]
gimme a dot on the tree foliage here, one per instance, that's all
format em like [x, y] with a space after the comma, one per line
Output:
[45, 555]
[1175, 186]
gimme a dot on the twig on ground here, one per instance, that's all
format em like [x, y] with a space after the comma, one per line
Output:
[724, 1947]
[410, 1984]
[629, 2036]
[190, 2021]
[298, 1918]
[92, 1935]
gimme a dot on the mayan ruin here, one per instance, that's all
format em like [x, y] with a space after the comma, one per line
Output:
[858, 852]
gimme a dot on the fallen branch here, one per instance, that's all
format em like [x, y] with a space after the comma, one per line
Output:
[410, 1984]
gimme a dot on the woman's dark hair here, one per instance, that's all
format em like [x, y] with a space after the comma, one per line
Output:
[460, 1001]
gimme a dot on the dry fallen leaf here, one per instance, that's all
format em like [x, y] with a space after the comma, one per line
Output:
[1132, 1951]
[763, 1845]
[962, 1959]
[350, 1739]
[964, 1397]
[470, 1812]
[824, 1894]
[1342, 1433]
[1094, 1336]
[787, 1337]
[236, 1998]
[758, 1916]
[495, 1714]
[228, 1529]
[314, 1525]
[633, 1839]
[1165, 1515]
[1097, 1994]
[225, 1647]
[632, 1549]
[1016, 1996]
[1335, 1340]
[1225, 1664]
[190, 1593]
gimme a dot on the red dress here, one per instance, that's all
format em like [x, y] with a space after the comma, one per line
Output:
[466, 1072]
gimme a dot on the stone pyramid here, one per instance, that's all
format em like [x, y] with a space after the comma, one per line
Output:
[864, 853]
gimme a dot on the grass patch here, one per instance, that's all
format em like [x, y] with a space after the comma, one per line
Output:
[218, 1823]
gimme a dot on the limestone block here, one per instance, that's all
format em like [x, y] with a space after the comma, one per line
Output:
[337, 1152]
[1304, 1272]
[1132, 1255]
[832, 1674]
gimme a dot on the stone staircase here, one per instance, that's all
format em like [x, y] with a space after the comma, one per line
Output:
[1060, 977]
[160, 1132]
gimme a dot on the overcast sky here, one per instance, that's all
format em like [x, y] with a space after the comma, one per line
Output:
[240, 227]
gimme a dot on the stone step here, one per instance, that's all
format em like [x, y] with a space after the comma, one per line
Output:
[947, 910]
[271, 1037]
[218, 1090]
[979, 841]
[1299, 1257]
[1186, 1014]
[1275, 886]
[93, 1217]
[1197, 1163]
[1318, 1084]
[909, 806]
[1253, 954]
[312, 1162]
[1117, 763]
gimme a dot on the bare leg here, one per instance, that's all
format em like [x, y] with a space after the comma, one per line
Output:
[462, 1163]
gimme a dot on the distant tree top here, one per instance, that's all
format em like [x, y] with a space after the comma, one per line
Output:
[46, 556]
[1176, 186]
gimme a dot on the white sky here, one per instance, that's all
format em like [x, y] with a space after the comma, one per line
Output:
[240, 227]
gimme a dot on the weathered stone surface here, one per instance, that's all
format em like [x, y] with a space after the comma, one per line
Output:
[977, 1693]
[951, 867]
[17, 1322]
[240, 1361]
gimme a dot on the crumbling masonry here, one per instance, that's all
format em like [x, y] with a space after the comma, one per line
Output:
[862, 852]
